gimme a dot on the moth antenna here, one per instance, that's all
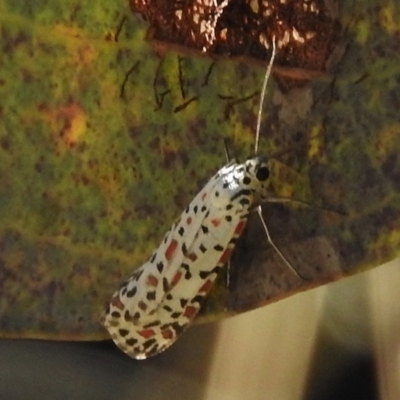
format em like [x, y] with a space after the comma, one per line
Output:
[227, 155]
[303, 203]
[275, 247]
[264, 87]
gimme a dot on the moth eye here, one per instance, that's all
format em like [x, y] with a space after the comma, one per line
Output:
[262, 174]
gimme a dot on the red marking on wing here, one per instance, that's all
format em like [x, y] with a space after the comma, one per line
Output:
[190, 311]
[189, 220]
[192, 256]
[241, 225]
[167, 334]
[204, 195]
[169, 253]
[152, 280]
[116, 302]
[226, 255]
[142, 305]
[177, 277]
[147, 333]
[216, 222]
[207, 285]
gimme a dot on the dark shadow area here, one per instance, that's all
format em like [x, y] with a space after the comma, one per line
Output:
[41, 370]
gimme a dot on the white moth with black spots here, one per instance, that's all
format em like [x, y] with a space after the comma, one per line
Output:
[159, 301]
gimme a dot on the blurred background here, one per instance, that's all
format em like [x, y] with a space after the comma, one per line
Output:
[339, 341]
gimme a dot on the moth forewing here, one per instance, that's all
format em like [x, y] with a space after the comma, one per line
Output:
[154, 306]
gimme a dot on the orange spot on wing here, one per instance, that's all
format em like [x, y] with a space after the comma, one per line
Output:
[192, 257]
[241, 225]
[204, 195]
[116, 302]
[169, 253]
[167, 334]
[152, 280]
[207, 285]
[147, 333]
[216, 222]
[190, 311]
[189, 220]
[177, 277]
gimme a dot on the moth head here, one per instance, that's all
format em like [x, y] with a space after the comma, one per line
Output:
[257, 172]
[256, 177]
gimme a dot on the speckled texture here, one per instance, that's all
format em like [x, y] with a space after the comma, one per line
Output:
[91, 181]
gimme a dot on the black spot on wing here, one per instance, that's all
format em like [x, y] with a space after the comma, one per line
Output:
[188, 274]
[151, 324]
[123, 332]
[151, 295]
[205, 274]
[132, 292]
[160, 267]
[183, 302]
[177, 328]
[154, 350]
[131, 341]
[148, 343]
[184, 249]
[127, 316]
[165, 285]
[136, 315]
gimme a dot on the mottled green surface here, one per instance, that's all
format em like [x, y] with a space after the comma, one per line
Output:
[90, 181]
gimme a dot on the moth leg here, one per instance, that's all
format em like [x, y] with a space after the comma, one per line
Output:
[275, 247]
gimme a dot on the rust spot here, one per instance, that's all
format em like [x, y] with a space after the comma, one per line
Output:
[167, 334]
[239, 229]
[169, 253]
[116, 302]
[190, 311]
[207, 285]
[216, 222]
[226, 255]
[147, 333]
[192, 256]
[152, 280]
[177, 277]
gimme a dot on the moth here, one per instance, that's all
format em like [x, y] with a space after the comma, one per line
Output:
[151, 309]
